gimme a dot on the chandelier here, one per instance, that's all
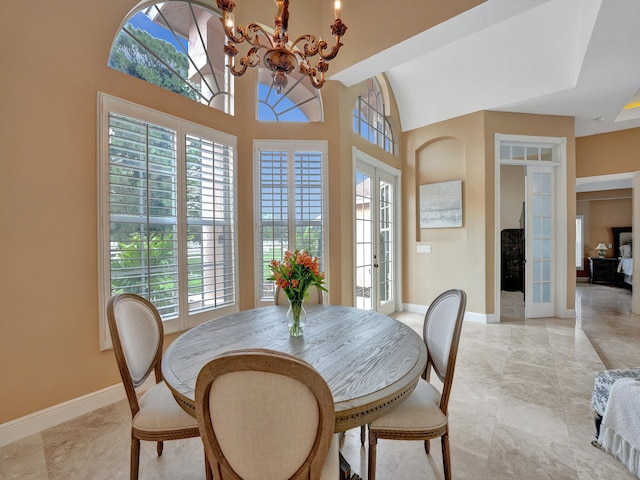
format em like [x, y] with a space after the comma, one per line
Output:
[279, 56]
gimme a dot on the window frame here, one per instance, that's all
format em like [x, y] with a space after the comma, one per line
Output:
[370, 121]
[204, 63]
[183, 128]
[291, 147]
[580, 243]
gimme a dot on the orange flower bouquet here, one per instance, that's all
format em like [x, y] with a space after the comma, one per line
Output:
[295, 274]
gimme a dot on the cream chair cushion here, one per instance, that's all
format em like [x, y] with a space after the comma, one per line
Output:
[439, 331]
[314, 297]
[419, 412]
[160, 412]
[139, 336]
[265, 406]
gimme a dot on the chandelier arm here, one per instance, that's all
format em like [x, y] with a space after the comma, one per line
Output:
[250, 60]
[310, 46]
[315, 74]
[250, 33]
[317, 79]
[332, 53]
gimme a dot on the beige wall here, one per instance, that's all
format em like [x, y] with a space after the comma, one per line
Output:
[463, 148]
[511, 195]
[603, 210]
[385, 23]
[451, 150]
[607, 153]
[615, 152]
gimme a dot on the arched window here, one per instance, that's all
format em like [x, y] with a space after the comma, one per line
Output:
[176, 45]
[300, 102]
[369, 118]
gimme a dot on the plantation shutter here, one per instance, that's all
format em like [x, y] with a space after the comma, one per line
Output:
[143, 211]
[210, 223]
[167, 209]
[290, 203]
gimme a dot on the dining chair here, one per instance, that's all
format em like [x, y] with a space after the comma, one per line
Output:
[266, 415]
[137, 335]
[315, 296]
[424, 415]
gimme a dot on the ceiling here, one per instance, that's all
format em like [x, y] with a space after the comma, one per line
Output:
[578, 58]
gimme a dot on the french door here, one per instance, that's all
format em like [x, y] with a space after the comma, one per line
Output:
[375, 239]
[540, 220]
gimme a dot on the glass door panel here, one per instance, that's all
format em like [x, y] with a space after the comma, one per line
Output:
[539, 233]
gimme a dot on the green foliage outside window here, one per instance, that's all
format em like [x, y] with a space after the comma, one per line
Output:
[171, 73]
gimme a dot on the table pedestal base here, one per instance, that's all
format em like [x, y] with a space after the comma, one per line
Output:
[345, 470]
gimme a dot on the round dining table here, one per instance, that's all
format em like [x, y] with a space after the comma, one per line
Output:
[370, 361]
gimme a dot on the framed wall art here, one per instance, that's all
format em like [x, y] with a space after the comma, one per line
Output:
[441, 205]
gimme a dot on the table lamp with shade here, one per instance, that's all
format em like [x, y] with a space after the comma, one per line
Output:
[602, 249]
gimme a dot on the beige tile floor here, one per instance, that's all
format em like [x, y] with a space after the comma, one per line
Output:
[519, 409]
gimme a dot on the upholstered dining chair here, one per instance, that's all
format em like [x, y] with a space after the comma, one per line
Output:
[424, 415]
[137, 335]
[266, 415]
[315, 296]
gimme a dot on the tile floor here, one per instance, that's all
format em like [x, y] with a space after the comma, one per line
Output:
[519, 409]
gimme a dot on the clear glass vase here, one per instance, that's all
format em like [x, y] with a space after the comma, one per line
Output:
[296, 318]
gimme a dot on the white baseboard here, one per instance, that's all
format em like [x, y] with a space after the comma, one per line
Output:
[468, 316]
[50, 417]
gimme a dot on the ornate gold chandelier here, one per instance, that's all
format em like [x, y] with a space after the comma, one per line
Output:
[280, 57]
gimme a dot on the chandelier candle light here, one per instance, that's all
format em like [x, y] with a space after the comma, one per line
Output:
[295, 274]
[280, 57]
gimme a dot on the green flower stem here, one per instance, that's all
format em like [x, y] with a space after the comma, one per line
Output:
[295, 330]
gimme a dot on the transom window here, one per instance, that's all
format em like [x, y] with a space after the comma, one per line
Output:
[167, 204]
[300, 102]
[369, 119]
[176, 45]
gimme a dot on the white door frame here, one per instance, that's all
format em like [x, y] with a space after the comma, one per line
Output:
[560, 146]
[359, 156]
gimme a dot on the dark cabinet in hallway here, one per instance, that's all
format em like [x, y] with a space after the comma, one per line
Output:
[512, 259]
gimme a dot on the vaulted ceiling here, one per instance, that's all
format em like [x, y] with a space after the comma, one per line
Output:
[578, 58]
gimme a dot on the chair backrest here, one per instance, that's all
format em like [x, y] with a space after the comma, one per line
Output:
[314, 298]
[264, 415]
[441, 333]
[137, 336]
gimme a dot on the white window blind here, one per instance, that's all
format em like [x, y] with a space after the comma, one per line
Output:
[167, 204]
[143, 233]
[290, 204]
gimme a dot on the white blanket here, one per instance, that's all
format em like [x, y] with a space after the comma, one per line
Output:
[620, 428]
[626, 266]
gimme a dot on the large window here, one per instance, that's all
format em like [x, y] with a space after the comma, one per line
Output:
[168, 213]
[177, 45]
[290, 196]
[369, 119]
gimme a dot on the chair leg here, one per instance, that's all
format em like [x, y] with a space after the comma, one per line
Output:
[446, 456]
[159, 448]
[363, 434]
[135, 458]
[373, 444]
[427, 446]
[207, 468]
